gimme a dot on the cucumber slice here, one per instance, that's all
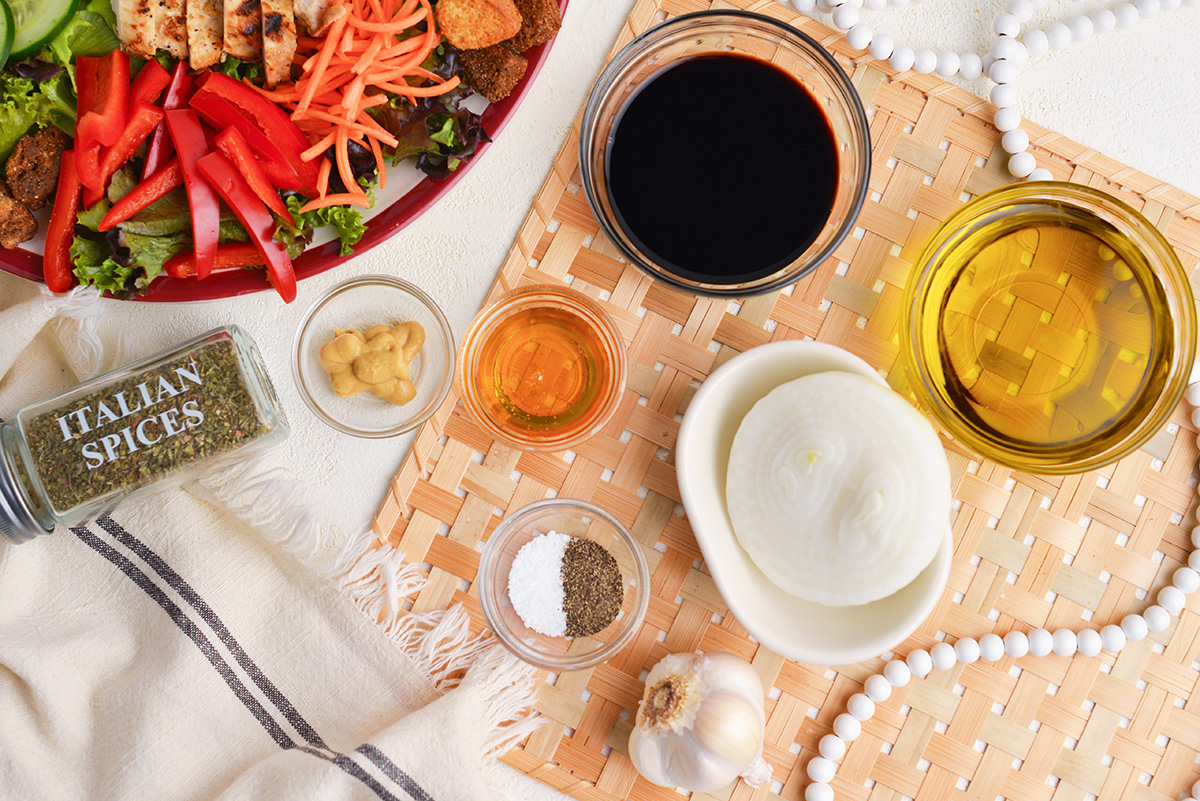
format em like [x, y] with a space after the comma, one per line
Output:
[6, 35]
[37, 22]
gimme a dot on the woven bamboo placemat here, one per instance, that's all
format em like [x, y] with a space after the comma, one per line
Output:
[1030, 550]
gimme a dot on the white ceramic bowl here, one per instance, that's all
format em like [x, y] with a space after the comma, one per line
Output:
[793, 627]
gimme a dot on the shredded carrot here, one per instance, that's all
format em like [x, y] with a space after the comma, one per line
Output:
[371, 52]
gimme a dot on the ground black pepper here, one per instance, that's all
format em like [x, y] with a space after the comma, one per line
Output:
[592, 587]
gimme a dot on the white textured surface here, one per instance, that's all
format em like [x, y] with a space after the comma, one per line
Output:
[1129, 93]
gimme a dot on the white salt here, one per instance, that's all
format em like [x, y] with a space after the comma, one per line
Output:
[535, 584]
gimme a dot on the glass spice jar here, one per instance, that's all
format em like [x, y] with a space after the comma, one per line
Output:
[153, 423]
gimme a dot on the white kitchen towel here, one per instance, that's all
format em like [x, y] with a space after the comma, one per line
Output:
[173, 650]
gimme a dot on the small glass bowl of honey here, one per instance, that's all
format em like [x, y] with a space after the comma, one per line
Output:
[1051, 327]
[542, 369]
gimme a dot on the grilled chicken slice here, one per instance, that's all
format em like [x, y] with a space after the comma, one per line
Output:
[279, 39]
[172, 27]
[243, 29]
[317, 15]
[206, 32]
[137, 26]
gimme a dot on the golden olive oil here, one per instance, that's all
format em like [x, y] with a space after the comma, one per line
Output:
[1053, 331]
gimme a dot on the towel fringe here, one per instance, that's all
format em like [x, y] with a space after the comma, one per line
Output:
[73, 318]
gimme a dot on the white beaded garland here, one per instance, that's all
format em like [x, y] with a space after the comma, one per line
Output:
[1081, 28]
[1172, 599]
[1036, 43]
[897, 673]
[920, 663]
[859, 37]
[847, 727]
[1088, 642]
[902, 59]
[1148, 8]
[966, 650]
[1041, 642]
[1157, 618]
[1186, 579]
[1015, 141]
[818, 791]
[1016, 644]
[991, 647]
[925, 61]
[1040, 174]
[1058, 35]
[1003, 71]
[1006, 47]
[881, 46]
[1112, 638]
[1007, 119]
[970, 66]
[832, 747]
[1021, 164]
[1103, 20]
[947, 63]
[943, 656]
[845, 17]
[877, 688]
[1004, 95]
[1135, 627]
[1021, 9]
[1007, 25]
[821, 770]
[861, 707]
[1065, 642]
[1127, 15]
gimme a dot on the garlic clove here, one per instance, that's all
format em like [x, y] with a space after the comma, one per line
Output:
[729, 729]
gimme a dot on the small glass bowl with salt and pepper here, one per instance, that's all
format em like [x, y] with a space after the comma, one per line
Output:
[563, 584]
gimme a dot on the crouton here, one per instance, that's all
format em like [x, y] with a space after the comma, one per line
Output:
[493, 71]
[472, 24]
[32, 169]
[16, 222]
[540, 20]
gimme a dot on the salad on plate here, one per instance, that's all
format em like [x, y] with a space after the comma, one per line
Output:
[182, 139]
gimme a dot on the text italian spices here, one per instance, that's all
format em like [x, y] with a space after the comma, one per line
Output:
[565, 586]
[153, 423]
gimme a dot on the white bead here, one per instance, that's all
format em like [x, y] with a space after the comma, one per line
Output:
[1016, 644]
[991, 647]
[1157, 618]
[1015, 141]
[1172, 599]
[943, 656]
[1103, 20]
[1036, 43]
[899, 3]
[804, 5]
[925, 61]
[878, 688]
[1065, 642]
[897, 673]
[902, 58]
[1007, 119]
[1194, 560]
[987, 61]
[1019, 54]
[1003, 71]
[881, 46]
[845, 17]
[1021, 9]
[847, 727]
[1022, 164]
[1007, 25]
[1135, 627]
[874, 5]
[859, 37]
[1192, 393]
[818, 791]
[1196, 789]
[861, 707]
[821, 770]
[1089, 642]
[1112, 638]
[1196, 537]
[947, 63]
[832, 747]
[1040, 174]
[1004, 95]
[825, 6]
[919, 663]
[1148, 8]
[1058, 35]
[1082, 28]
[1127, 15]
[970, 66]
[1005, 47]
[1186, 579]
[966, 650]
[1041, 642]
[1169, 5]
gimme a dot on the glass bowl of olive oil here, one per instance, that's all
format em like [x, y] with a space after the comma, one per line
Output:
[1051, 327]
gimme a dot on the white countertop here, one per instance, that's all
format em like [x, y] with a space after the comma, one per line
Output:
[1129, 94]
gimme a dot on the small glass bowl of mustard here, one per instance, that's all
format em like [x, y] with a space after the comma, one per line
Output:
[359, 305]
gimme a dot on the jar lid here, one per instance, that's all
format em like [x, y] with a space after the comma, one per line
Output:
[17, 521]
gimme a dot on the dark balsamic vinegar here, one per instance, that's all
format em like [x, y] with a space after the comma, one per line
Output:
[722, 168]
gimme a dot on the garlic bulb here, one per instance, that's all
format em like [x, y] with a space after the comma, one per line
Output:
[700, 724]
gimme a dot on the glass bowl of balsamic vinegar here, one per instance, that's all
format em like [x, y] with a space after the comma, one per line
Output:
[725, 153]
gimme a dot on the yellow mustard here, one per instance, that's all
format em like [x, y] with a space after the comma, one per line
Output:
[377, 361]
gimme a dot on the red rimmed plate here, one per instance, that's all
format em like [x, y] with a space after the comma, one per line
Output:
[420, 196]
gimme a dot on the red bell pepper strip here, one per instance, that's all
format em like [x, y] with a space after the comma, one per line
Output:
[105, 119]
[143, 119]
[221, 114]
[229, 257]
[255, 218]
[233, 145]
[188, 138]
[145, 193]
[182, 87]
[56, 263]
[148, 84]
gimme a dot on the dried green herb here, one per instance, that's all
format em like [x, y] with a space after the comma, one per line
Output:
[592, 587]
[163, 419]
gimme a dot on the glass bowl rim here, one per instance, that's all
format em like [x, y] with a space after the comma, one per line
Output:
[490, 556]
[856, 114]
[418, 294]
